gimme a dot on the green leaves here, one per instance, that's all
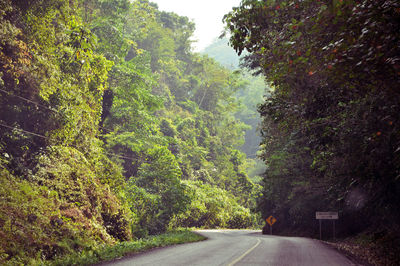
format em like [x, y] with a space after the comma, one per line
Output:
[213, 207]
[156, 193]
[104, 110]
[334, 79]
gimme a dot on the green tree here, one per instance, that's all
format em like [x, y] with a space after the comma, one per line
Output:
[333, 112]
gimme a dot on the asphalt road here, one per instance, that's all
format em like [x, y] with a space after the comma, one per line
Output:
[242, 247]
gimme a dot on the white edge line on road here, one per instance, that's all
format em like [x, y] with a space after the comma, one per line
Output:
[245, 254]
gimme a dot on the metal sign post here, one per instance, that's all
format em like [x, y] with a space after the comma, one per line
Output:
[326, 216]
[334, 235]
[320, 231]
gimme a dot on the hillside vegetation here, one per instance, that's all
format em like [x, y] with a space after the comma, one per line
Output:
[112, 129]
[250, 95]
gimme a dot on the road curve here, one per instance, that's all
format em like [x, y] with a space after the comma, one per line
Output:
[241, 247]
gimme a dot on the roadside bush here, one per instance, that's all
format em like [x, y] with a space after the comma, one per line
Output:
[156, 194]
[213, 207]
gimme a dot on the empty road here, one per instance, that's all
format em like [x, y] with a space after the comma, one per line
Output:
[241, 247]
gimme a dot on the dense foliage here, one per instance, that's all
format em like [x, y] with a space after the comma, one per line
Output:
[250, 94]
[331, 129]
[112, 129]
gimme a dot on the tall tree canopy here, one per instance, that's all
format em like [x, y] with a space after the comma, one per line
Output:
[331, 132]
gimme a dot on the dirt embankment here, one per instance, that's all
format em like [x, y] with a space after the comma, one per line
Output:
[373, 249]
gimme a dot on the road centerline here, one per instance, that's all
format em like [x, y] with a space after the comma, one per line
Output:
[245, 254]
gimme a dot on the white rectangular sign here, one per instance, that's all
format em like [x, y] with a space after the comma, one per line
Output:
[326, 215]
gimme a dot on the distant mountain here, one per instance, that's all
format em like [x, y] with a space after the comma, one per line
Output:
[222, 53]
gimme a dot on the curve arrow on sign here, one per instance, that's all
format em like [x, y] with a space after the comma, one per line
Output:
[271, 220]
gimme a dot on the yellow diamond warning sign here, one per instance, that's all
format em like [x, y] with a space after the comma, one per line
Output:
[271, 220]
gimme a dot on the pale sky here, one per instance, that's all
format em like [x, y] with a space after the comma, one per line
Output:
[207, 14]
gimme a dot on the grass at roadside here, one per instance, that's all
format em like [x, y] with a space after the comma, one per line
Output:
[106, 253]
